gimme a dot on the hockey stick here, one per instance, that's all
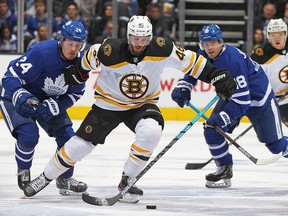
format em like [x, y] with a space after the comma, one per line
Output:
[249, 156]
[194, 166]
[201, 165]
[112, 200]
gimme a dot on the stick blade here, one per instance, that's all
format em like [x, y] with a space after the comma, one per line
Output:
[194, 166]
[101, 201]
[270, 160]
[94, 200]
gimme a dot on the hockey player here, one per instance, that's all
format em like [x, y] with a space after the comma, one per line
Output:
[34, 90]
[273, 58]
[127, 91]
[254, 98]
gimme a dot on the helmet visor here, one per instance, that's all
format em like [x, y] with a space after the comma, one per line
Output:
[139, 40]
[70, 44]
[214, 44]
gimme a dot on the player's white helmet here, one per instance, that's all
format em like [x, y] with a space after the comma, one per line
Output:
[139, 26]
[276, 25]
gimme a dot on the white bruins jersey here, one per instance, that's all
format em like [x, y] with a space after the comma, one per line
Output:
[127, 81]
[275, 64]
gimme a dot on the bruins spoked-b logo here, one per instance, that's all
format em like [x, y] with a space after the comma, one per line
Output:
[88, 129]
[283, 74]
[134, 86]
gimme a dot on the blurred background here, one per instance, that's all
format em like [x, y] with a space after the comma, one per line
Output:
[243, 22]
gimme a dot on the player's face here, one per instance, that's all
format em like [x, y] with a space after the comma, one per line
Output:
[138, 43]
[277, 39]
[212, 48]
[70, 48]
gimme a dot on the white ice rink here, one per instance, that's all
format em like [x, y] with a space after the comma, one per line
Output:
[256, 190]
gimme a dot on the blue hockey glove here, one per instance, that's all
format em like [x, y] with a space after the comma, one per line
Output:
[48, 109]
[25, 103]
[221, 120]
[182, 90]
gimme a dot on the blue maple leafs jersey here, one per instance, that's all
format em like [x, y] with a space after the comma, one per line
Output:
[254, 91]
[41, 72]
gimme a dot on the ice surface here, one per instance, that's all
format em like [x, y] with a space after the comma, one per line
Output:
[256, 190]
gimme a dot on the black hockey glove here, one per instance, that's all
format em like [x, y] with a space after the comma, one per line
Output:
[73, 76]
[224, 83]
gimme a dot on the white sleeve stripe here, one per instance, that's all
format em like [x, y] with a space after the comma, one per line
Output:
[77, 95]
[241, 102]
[15, 75]
[261, 102]
[3, 92]
[13, 72]
[241, 94]
[72, 98]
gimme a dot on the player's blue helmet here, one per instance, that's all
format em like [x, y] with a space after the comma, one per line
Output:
[210, 32]
[74, 30]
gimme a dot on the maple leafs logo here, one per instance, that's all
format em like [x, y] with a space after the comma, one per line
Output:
[58, 87]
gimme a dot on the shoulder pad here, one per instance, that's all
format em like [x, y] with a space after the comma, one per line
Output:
[112, 51]
[263, 53]
[160, 46]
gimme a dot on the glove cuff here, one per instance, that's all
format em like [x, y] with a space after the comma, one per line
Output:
[225, 118]
[53, 106]
[218, 75]
[17, 94]
[184, 84]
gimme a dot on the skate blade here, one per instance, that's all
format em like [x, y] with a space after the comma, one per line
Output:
[66, 192]
[130, 198]
[223, 183]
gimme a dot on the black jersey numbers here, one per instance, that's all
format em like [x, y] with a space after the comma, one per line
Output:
[180, 52]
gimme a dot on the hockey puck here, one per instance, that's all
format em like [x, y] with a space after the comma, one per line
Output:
[150, 206]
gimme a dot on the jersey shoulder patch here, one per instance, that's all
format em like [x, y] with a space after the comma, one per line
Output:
[263, 53]
[112, 51]
[159, 46]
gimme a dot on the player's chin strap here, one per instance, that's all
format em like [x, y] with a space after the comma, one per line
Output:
[249, 156]
[112, 200]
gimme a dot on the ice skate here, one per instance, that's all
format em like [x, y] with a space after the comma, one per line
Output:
[36, 185]
[221, 178]
[133, 194]
[23, 176]
[70, 186]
